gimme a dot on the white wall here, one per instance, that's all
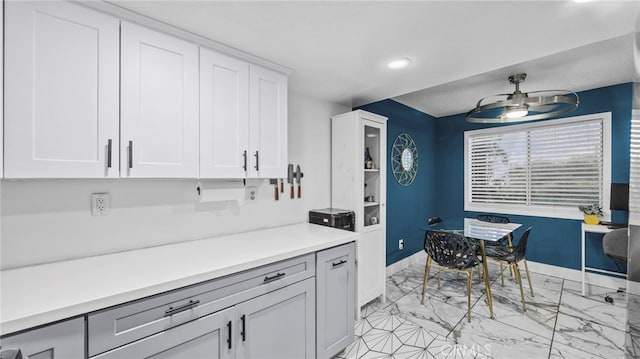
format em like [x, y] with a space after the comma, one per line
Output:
[50, 220]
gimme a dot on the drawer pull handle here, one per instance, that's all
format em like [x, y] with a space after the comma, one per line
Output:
[339, 263]
[272, 278]
[229, 336]
[182, 308]
[243, 333]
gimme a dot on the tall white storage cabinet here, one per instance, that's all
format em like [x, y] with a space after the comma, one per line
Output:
[61, 91]
[360, 185]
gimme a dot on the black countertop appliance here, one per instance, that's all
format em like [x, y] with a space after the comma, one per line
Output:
[334, 217]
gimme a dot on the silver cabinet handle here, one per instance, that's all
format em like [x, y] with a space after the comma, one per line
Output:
[274, 277]
[130, 154]
[11, 354]
[257, 159]
[335, 264]
[109, 148]
[245, 160]
[181, 308]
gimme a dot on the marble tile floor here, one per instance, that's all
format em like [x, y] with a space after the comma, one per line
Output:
[558, 323]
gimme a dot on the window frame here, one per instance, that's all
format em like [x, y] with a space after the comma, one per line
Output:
[634, 170]
[542, 211]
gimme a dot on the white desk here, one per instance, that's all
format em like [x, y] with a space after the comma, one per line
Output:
[594, 228]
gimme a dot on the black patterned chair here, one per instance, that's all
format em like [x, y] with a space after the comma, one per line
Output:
[453, 252]
[493, 218]
[512, 256]
[491, 247]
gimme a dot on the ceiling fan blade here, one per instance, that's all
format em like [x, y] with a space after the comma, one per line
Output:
[542, 108]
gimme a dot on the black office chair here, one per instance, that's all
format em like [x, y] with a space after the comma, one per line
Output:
[493, 218]
[615, 246]
[453, 252]
[513, 255]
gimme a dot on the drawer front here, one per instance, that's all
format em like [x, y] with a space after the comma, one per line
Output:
[208, 337]
[61, 340]
[114, 327]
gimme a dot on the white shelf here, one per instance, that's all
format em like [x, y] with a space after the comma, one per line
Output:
[369, 204]
[372, 170]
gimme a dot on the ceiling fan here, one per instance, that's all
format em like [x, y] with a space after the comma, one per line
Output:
[521, 106]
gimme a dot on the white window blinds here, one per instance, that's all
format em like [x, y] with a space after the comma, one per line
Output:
[547, 165]
[634, 170]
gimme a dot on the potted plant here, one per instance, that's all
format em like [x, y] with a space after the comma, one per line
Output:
[592, 213]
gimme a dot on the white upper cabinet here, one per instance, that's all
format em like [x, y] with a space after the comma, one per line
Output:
[1, 88]
[61, 91]
[224, 116]
[159, 105]
[268, 123]
[243, 119]
[86, 96]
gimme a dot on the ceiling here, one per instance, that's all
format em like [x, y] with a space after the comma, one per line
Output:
[460, 50]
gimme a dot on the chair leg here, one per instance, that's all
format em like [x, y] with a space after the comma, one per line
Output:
[426, 277]
[469, 277]
[509, 240]
[516, 270]
[526, 268]
[502, 272]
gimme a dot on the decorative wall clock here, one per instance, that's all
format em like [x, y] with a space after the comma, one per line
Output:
[404, 159]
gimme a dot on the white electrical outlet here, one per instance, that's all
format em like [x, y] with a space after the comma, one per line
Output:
[401, 244]
[100, 204]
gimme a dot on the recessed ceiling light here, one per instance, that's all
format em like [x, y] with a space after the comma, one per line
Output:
[399, 63]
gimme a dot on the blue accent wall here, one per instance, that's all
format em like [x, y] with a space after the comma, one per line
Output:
[438, 188]
[408, 207]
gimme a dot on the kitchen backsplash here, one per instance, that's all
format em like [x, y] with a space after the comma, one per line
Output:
[50, 220]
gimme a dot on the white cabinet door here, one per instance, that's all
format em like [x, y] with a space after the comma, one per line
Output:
[371, 265]
[61, 340]
[61, 95]
[224, 116]
[280, 324]
[210, 337]
[1, 88]
[336, 299]
[159, 105]
[268, 123]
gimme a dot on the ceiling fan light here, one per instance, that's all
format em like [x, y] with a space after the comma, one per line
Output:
[516, 112]
[520, 106]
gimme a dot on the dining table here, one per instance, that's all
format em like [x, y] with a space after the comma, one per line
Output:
[482, 232]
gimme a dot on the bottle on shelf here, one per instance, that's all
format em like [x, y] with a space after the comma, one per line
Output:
[368, 160]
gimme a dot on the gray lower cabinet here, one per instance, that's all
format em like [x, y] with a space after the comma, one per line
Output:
[209, 337]
[335, 283]
[60, 340]
[279, 325]
[265, 312]
[268, 312]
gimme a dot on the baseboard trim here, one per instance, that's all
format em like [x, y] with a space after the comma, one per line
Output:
[417, 258]
[537, 267]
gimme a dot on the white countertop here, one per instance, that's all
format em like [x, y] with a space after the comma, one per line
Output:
[41, 294]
